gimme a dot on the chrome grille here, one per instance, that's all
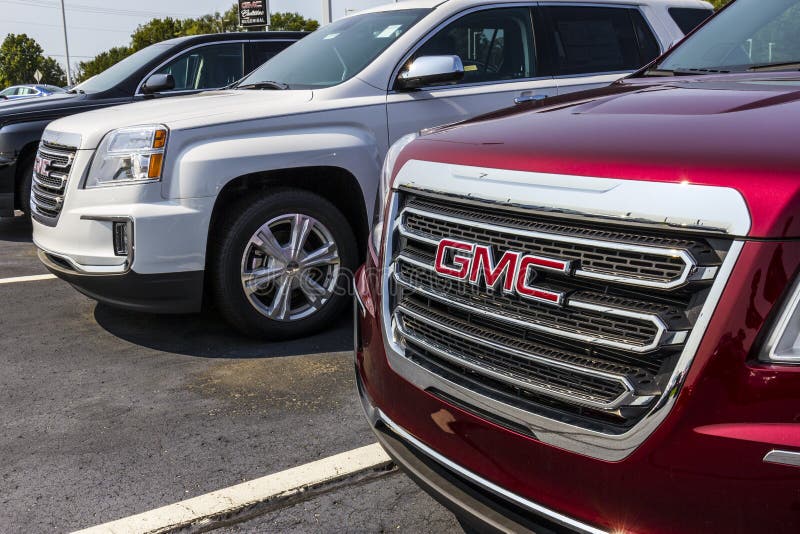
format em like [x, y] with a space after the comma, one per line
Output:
[50, 175]
[602, 357]
[635, 260]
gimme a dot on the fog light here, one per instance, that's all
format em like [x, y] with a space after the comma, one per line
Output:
[120, 230]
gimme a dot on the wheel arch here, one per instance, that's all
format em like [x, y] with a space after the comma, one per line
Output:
[27, 153]
[335, 184]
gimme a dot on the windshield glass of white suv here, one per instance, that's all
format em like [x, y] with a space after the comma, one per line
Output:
[750, 35]
[111, 77]
[336, 52]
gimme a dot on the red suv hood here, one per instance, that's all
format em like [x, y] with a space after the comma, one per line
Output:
[736, 131]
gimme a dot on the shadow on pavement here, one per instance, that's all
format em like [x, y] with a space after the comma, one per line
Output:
[15, 229]
[207, 335]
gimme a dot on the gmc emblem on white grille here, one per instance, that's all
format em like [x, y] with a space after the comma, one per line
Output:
[40, 166]
[514, 272]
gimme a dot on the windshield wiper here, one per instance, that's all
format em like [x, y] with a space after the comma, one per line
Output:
[788, 65]
[280, 86]
[684, 72]
[76, 92]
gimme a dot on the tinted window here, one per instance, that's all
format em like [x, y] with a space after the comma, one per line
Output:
[494, 45]
[748, 34]
[336, 52]
[113, 76]
[206, 67]
[689, 18]
[649, 48]
[264, 51]
[595, 39]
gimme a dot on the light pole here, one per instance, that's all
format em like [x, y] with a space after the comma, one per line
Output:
[327, 12]
[66, 42]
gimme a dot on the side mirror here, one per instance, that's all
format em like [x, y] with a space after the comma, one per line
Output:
[158, 83]
[431, 70]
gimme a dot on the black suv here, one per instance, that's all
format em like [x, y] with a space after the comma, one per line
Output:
[176, 67]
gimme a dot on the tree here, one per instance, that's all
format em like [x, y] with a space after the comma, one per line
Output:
[292, 22]
[21, 56]
[155, 31]
[216, 23]
[158, 30]
[104, 60]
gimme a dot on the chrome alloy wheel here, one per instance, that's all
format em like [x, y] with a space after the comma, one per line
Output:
[290, 267]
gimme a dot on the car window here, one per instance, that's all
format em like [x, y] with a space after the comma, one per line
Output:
[27, 91]
[689, 18]
[116, 74]
[336, 52]
[598, 39]
[264, 51]
[494, 45]
[9, 91]
[206, 67]
[748, 34]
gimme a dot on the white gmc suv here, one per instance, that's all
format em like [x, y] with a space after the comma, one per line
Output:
[257, 197]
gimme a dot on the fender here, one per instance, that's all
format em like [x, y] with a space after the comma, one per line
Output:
[205, 166]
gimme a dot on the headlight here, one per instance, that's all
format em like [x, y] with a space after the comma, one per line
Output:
[129, 155]
[783, 344]
[385, 187]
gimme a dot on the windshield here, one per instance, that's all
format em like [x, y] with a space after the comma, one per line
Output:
[748, 35]
[111, 77]
[337, 52]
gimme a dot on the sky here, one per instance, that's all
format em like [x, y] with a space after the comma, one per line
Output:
[97, 25]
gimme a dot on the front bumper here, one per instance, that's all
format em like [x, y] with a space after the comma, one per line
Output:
[162, 268]
[476, 502]
[151, 293]
[705, 469]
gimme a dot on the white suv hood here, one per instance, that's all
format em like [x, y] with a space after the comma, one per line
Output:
[202, 110]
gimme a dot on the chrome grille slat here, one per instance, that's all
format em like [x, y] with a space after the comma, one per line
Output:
[51, 174]
[632, 264]
[645, 341]
[606, 348]
[526, 369]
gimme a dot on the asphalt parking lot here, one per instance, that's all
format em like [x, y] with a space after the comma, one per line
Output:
[106, 413]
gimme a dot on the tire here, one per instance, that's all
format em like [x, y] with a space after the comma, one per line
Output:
[24, 187]
[291, 295]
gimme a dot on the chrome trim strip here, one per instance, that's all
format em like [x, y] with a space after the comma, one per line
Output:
[57, 198]
[626, 398]
[769, 352]
[776, 456]
[557, 432]
[690, 265]
[64, 152]
[478, 480]
[360, 307]
[689, 208]
[662, 338]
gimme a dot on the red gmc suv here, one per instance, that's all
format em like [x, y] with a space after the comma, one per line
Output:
[581, 315]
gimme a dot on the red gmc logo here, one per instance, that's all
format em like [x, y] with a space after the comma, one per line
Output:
[40, 166]
[515, 271]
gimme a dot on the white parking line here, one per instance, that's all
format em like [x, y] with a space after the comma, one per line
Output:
[19, 279]
[223, 505]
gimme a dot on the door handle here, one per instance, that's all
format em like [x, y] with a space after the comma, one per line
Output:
[529, 98]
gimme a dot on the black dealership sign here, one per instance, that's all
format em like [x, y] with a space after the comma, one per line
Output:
[253, 12]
